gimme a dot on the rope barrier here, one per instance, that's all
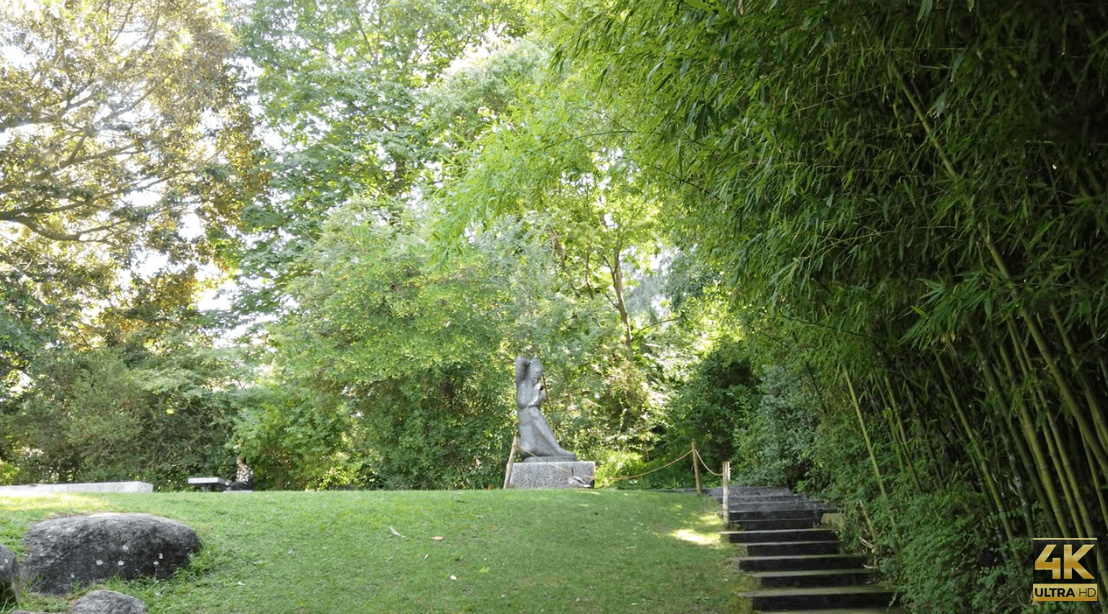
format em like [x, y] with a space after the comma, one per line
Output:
[631, 477]
[705, 465]
[693, 451]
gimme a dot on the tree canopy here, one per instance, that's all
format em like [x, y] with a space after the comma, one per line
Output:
[340, 90]
[125, 142]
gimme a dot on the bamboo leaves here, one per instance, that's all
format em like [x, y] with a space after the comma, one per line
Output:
[916, 178]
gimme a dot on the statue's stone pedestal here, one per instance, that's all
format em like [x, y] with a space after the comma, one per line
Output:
[575, 474]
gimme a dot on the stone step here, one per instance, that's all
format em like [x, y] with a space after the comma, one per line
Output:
[774, 514]
[787, 548]
[791, 504]
[778, 535]
[777, 599]
[756, 490]
[769, 494]
[769, 506]
[737, 502]
[777, 524]
[799, 562]
[813, 577]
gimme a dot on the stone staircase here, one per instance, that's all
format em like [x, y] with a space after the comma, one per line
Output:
[795, 565]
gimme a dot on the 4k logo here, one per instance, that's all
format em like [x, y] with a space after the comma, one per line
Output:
[1065, 570]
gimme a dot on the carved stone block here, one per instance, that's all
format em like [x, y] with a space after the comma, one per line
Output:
[577, 474]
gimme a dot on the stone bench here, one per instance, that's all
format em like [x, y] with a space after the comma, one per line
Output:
[32, 490]
[207, 483]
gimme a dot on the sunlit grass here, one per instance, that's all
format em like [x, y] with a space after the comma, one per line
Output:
[696, 537]
[461, 551]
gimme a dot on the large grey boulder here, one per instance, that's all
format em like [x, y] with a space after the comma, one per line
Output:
[80, 550]
[107, 602]
[9, 577]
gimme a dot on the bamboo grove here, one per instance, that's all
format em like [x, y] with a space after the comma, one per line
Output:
[908, 199]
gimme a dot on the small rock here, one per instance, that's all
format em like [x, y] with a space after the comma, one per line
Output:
[108, 602]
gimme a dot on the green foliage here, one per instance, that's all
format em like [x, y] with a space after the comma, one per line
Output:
[26, 326]
[909, 199]
[715, 406]
[342, 89]
[8, 472]
[775, 443]
[125, 140]
[478, 90]
[944, 534]
[410, 363]
[134, 141]
[765, 424]
[901, 206]
[550, 157]
[633, 471]
[158, 414]
[292, 443]
[406, 354]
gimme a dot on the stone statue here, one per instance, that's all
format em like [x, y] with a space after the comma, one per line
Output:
[536, 441]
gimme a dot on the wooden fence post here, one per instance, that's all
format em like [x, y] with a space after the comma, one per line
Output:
[726, 486]
[696, 466]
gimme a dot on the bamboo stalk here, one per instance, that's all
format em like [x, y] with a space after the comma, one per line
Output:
[897, 428]
[1075, 487]
[1029, 435]
[998, 260]
[928, 447]
[924, 437]
[1082, 381]
[1061, 467]
[978, 456]
[1021, 492]
[886, 412]
[865, 434]
[1097, 489]
[1048, 357]
[1078, 506]
[1101, 580]
[1033, 475]
[1054, 443]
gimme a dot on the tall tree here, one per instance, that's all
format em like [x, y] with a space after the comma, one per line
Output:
[551, 150]
[340, 91]
[125, 144]
[117, 120]
[122, 135]
[414, 360]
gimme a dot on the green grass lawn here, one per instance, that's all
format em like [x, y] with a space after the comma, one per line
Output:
[510, 551]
